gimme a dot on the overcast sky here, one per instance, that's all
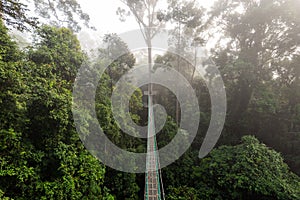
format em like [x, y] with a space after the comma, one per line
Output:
[103, 17]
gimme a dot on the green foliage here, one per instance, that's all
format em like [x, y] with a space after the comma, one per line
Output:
[182, 193]
[15, 13]
[122, 185]
[249, 170]
[79, 175]
[18, 164]
[59, 47]
[41, 154]
[8, 48]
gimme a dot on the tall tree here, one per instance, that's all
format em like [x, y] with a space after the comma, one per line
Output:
[145, 13]
[58, 46]
[59, 12]
[257, 46]
[116, 50]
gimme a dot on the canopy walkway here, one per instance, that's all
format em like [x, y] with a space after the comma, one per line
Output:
[153, 180]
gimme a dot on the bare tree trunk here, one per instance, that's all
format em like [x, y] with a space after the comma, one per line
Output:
[194, 69]
[178, 69]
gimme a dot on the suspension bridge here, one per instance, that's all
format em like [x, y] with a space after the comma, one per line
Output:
[153, 180]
